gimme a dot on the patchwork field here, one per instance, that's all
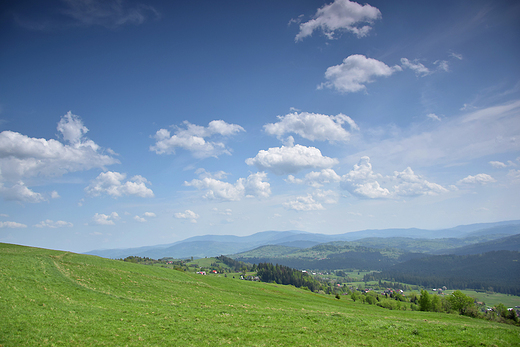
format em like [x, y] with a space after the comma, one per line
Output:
[53, 298]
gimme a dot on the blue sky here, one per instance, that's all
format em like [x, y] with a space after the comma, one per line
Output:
[131, 123]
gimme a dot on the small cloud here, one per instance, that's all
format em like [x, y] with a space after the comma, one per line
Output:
[103, 219]
[355, 72]
[149, 214]
[433, 117]
[418, 68]
[188, 214]
[4, 215]
[303, 203]
[12, 225]
[456, 56]
[112, 183]
[51, 224]
[477, 179]
[55, 195]
[139, 219]
[339, 16]
[442, 65]
[501, 165]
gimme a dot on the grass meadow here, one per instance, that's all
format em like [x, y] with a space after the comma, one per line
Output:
[54, 298]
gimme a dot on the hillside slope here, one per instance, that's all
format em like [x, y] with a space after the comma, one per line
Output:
[53, 298]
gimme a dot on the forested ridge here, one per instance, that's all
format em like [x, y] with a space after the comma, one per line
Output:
[495, 271]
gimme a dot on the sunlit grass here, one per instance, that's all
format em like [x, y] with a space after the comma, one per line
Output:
[56, 298]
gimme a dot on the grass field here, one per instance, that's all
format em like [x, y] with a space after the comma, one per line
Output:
[53, 298]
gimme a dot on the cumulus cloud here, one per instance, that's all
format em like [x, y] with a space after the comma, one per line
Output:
[355, 72]
[341, 15]
[22, 156]
[51, 224]
[362, 182]
[290, 159]
[150, 214]
[303, 203]
[252, 186]
[316, 179]
[193, 138]
[111, 183]
[188, 214]
[411, 184]
[139, 219]
[19, 192]
[12, 225]
[312, 126]
[415, 66]
[103, 219]
[477, 179]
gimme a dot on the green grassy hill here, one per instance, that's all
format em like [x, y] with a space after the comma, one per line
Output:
[53, 298]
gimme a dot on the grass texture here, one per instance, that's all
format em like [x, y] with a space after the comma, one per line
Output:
[54, 298]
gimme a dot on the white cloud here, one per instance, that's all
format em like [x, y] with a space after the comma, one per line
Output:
[312, 126]
[341, 15]
[23, 156]
[188, 214]
[19, 192]
[103, 219]
[55, 195]
[410, 184]
[256, 186]
[290, 160]
[418, 68]
[252, 186]
[356, 71]
[316, 179]
[12, 225]
[361, 181]
[4, 215]
[111, 183]
[433, 117]
[139, 219]
[303, 203]
[150, 214]
[501, 165]
[51, 224]
[477, 179]
[192, 139]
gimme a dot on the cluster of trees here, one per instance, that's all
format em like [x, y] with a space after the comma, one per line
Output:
[281, 274]
[460, 303]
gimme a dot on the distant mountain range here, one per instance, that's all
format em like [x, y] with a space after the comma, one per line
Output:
[411, 240]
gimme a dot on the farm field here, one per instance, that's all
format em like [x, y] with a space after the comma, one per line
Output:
[54, 298]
